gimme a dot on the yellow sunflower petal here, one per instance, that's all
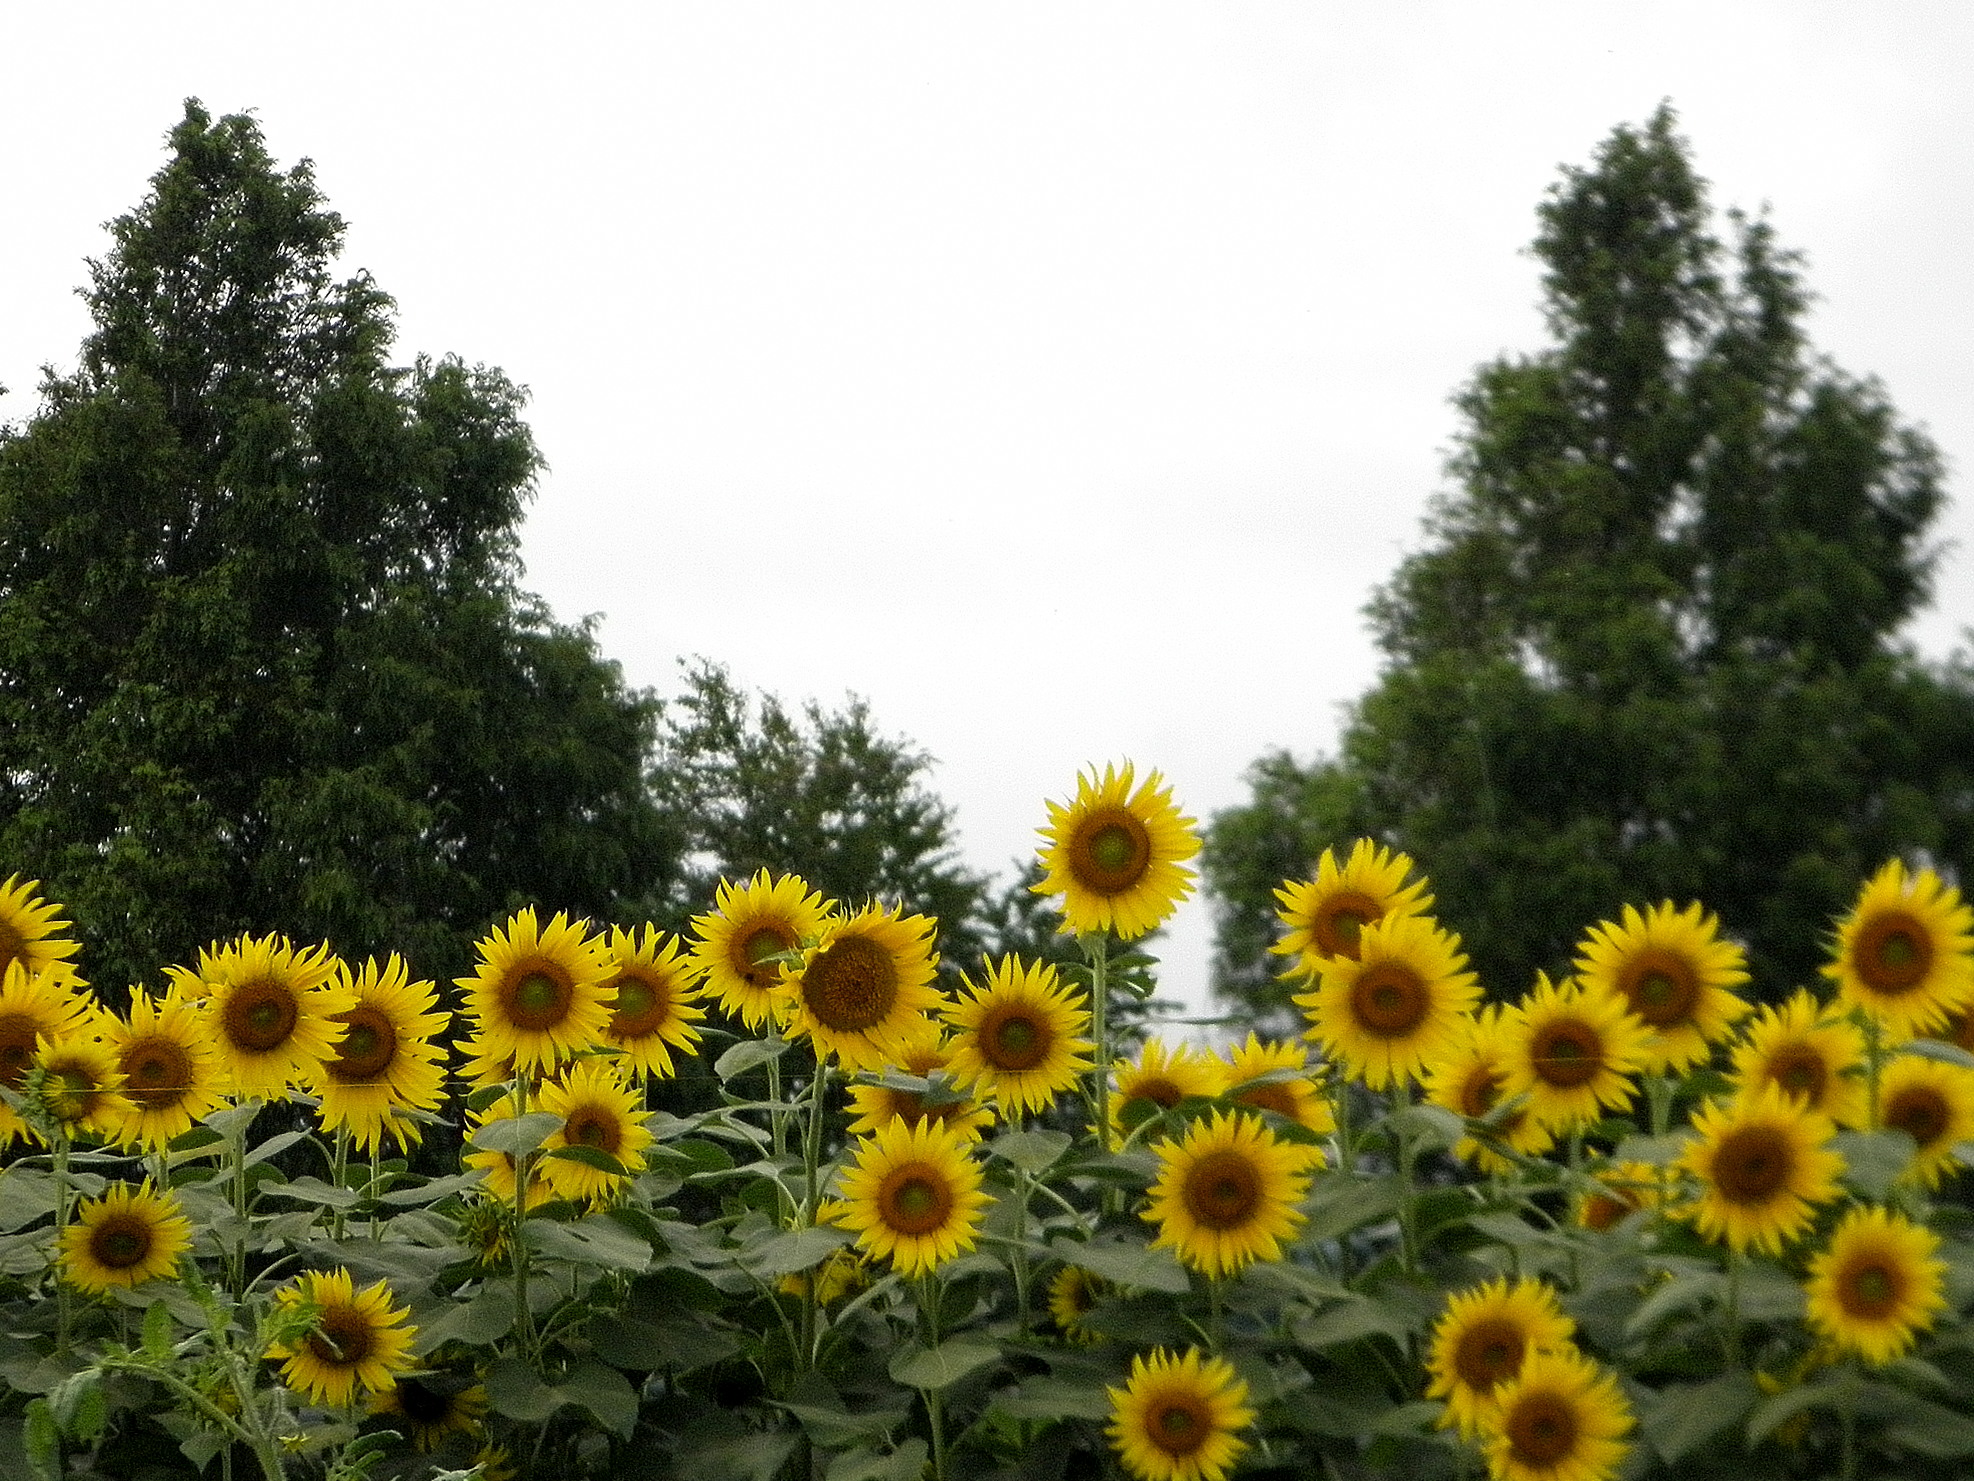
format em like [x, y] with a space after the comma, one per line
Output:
[1115, 854]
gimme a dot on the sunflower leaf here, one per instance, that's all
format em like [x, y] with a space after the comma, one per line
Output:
[906, 1463]
[793, 1250]
[1686, 1416]
[594, 1157]
[1031, 1151]
[1126, 1262]
[748, 1054]
[315, 1191]
[941, 1366]
[515, 1135]
[1873, 1160]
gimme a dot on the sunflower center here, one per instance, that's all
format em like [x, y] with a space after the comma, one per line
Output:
[915, 1199]
[1277, 1098]
[120, 1241]
[1542, 1428]
[590, 1127]
[851, 986]
[756, 949]
[1479, 1091]
[1222, 1190]
[1389, 1000]
[1489, 1352]
[1920, 1112]
[1753, 1164]
[342, 1339]
[1110, 852]
[369, 1045]
[1015, 1041]
[1801, 1071]
[72, 1092]
[424, 1407]
[1894, 953]
[1663, 988]
[1870, 1288]
[639, 1009]
[539, 996]
[1605, 1209]
[260, 1016]
[1568, 1053]
[157, 1073]
[1181, 1425]
[17, 1044]
[1340, 920]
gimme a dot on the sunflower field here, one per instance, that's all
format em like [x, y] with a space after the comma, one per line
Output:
[768, 1203]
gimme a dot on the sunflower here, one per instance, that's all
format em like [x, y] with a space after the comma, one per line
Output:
[1286, 1086]
[1324, 915]
[1227, 1194]
[652, 987]
[1468, 1081]
[862, 991]
[1676, 974]
[1572, 1049]
[36, 1008]
[1158, 1080]
[1878, 1285]
[358, 1339]
[1905, 953]
[1020, 1037]
[836, 1275]
[538, 993]
[75, 1082]
[499, 1167]
[1114, 854]
[1073, 1296]
[1399, 1003]
[1179, 1418]
[926, 1057]
[433, 1407]
[391, 1059]
[170, 1069]
[1562, 1419]
[1933, 1103]
[1764, 1163]
[27, 929]
[598, 1111]
[1619, 1190]
[1817, 1058]
[1481, 1341]
[274, 1011]
[126, 1237]
[912, 1195]
[741, 943]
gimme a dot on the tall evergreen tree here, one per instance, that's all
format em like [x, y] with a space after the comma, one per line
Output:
[1650, 648]
[263, 661]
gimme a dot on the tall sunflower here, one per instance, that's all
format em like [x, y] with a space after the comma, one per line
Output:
[653, 986]
[1764, 1163]
[863, 990]
[274, 1011]
[743, 941]
[1073, 1296]
[36, 1008]
[1481, 1341]
[1114, 854]
[1878, 1285]
[598, 1111]
[1933, 1103]
[912, 1195]
[1816, 1057]
[124, 1238]
[28, 926]
[169, 1065]
[537, 994]
[1905, 953]
[1158, 1080]
[1179, 1418]
[1676, 973]
[80, 1084]
[1226, 1195]
[1562, 1419]
[499, 1168]
[1274, 1076]
[390, 1060]
[1399, 1003]
[1469, 1080]
[927, 1057]
[1020, 1037]
[1572, 1050]
[358, 1340]
[1324, 915]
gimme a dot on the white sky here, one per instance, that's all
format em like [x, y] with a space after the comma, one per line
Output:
[1060, 377]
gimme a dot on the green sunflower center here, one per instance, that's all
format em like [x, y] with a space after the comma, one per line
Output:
[915, 1199]
[1663, 989]
[1869, 1289]
[851, 986]
[1389, 1000]
[370, 1044]
[1894, 953]
[259, 1016]
[1801, 1072]
[1110, 851]
[344, 1338]
[1222, 1190]
[1542, 1429]
[1014, 1041]
[539, 996]
[593, 1127]
[1340, 922]
[1181, 1425]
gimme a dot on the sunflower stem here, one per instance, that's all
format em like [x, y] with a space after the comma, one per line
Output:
[1847, 1416]
[341, 1175]
[236, 1254]
[64, 1206]
[1216, 1336]
[1408, 1232]
[1731, 1334]
[812, 1184]
[1096, 946]
[1019, 1264]
[927, 1290]
[1346, 1156]
[524, 1316]
[1874, 1063]
[1658, 1095]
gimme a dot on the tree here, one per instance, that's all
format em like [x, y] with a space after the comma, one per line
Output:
[1650, 648]
[263, 660]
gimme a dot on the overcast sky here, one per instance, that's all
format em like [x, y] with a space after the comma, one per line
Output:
[1059, 377]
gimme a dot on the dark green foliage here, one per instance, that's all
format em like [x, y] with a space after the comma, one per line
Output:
[1650, 648]
[263, 664]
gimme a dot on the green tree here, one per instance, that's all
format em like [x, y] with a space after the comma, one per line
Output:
[1650, 648]
[263, 661]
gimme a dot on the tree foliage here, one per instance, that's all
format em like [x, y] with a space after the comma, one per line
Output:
[263, 661]
[1650, 647]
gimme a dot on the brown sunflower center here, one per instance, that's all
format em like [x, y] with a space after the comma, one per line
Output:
[915, 1199]
[1014, 1039]
[1277, 1098]
[1870, 1287]
[369, 1045]
[1753, 1164]
[538, 995]
[1222, 1190]
[1607, 1207]
[1800, 1071]
[18, 1039]
[1389, 1000]
[757, 947]
[343, 1337]
[1340, 920]
[1893, 952]
[119, 1241]
[157, 1073]
[1919, 1111]
[1489, 1352]
[591, 1126]
[1662, 987]
[851, 986]
[1479, 1091]
[1161, 1092]
[640, 1009]
[1180, 1424]
[1110, 851]
[1567, 1052]
[1542, 1429]
[261, 1015]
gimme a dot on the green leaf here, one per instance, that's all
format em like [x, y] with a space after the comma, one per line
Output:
[1050, 1397]
[516, 1391]
[747, 1055]
[1127, 1262]
[1873, 1160]
[79, 1407]
[516, 1135]
[1784, 1406]
[941, 1366]
[313, 1191]
[157, 1330]
[1683, 1417]
[594, 1157]
[1933, 1430]
[1032, 1151]
[478, 1322]
[793, 1250]
[594, 1241]
[44, 1441]
[674, 1345]
[1658, 1151]
[431, 1191]
[907, 1463]
[1679, 1294]
[1351, 1321]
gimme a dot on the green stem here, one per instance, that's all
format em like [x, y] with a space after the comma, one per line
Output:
[236, 1256]
[1096, 946]
[341, 1176]
[1217, 1332]
[1874, 1062]
[1408, 1230]
[64, 1206]
[524, 1162]
[1019, 1263]
[1658, 1095]
[811, 1205]
[1346, 1155]
[1731, 1333]
[927, 1289]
